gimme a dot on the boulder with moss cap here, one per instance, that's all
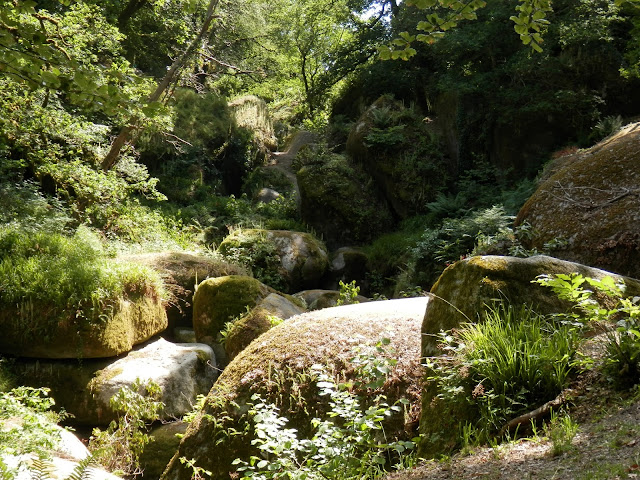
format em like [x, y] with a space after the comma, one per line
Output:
[180, 272]
[127, 322]
[277, 366]
[183, 371]
[462, 294]
[289, 261]
[220, 300]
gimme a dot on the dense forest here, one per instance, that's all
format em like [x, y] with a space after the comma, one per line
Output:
[216, 167]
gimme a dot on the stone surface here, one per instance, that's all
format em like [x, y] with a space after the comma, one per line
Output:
[591, 199]
[181, 271]
[220, 300]
[129, 322]
[275, 366]
[290, 261]
[59, 468]
[339, 200]
[318, 299]
[346, 264]
[84, 389]
[158, 453]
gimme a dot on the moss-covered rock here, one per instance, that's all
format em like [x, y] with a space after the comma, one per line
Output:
[128, 322]
[346, 264]
[339, 200]
[277, 367]
[158, 453]
[263, 317]
[462, 294]
[180, 272]
[591, 200]
[288, 261]
[318, 299]
[402, 152]
[220, 300]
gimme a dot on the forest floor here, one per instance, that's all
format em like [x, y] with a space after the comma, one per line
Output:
[605, 447]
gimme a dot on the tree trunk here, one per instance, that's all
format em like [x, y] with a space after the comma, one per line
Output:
[129, 11]
[123, 137]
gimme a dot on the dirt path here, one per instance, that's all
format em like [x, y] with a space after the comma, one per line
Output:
[282, 161]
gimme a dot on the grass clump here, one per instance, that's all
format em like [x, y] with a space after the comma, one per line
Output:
[509, 364]
[49, 275]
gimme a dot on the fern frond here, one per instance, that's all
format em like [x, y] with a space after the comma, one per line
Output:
[83, 471]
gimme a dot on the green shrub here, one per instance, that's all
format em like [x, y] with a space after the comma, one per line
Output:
[348, 293]
[348, 444]
[23, 206]
[602, 305]
[35, 429]
[119, 447]
[508, 364]
[454, 239]
[252, 249]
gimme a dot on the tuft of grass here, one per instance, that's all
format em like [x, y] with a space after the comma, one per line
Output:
[508, 364]
[67, 274]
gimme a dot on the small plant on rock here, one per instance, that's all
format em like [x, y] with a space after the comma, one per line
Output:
[349, 443]
[119, 447]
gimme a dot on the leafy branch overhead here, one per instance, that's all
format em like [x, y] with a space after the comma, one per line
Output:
[530, 22]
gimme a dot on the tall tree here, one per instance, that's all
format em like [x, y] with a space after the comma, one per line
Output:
[172, 73]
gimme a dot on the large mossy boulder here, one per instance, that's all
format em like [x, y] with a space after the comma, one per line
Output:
[403, 152]
[180, 272]
[462, 294]
[61, 296]
[318, 299]
[286, 260]
[338, 199]
[158, 453]
[268, 313]
[127, 322]
[591, 200]
[223, 299]
[84, 389]
[277, 366]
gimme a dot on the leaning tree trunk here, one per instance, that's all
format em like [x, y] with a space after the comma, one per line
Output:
[123, 137]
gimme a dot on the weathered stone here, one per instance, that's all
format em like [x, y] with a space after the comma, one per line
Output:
[266, 195]
[275, 366]
[84, 389]
[58, 468]
[220, 300]
[339, 200]
[158, 453]
[129, 322]
[402, 153]
[346, 264]
[591, 200]
[291, 261]
[318, 299]
[258, 321]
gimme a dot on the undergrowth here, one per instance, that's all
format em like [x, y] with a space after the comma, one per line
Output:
[508, 364]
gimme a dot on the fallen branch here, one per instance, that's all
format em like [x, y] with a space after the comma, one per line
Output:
[536, 414]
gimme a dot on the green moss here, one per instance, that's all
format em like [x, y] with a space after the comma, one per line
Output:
[124, 323]
[218, 300]
[63, 294]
